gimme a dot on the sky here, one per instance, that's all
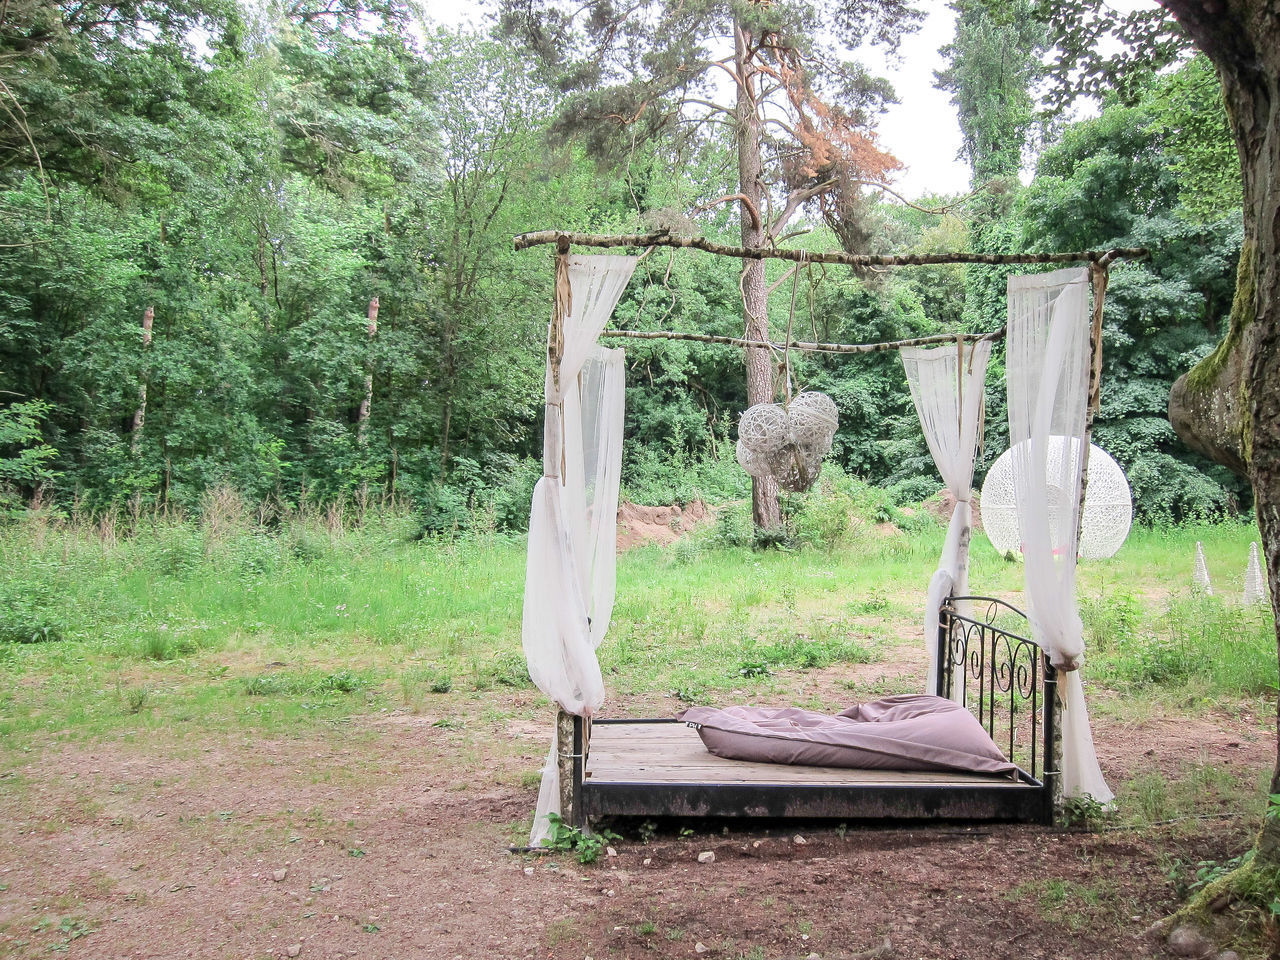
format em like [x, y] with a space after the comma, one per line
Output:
[921, 130]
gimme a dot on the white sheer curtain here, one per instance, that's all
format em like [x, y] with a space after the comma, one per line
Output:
[948, 386]
[570, 573]
[1048, 377]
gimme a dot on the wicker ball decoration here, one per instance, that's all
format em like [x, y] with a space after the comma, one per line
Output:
[795, 469]
[754, 464]
[1108, 504]
[814, 419]
[764, 428]
[788, 443]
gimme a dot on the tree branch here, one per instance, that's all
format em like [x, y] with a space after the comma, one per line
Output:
[746, 202]
[663, 238]
[805, 346]
[794, 201]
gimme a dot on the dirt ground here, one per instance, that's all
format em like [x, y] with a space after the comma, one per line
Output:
[387, 836]
[663, 526]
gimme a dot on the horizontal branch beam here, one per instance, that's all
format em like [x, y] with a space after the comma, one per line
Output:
[662, 238]
[802, 345]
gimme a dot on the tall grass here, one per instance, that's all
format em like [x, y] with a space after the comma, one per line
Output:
[242, 615]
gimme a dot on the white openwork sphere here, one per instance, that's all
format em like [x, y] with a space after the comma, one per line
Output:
[764, 428]
[1108, 503]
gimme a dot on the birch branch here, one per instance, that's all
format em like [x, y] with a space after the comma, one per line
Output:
[663, 238]
[805, 346]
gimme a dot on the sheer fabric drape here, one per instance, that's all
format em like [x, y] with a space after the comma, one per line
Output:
[948, 387]
[1048, 379]
[570, 573]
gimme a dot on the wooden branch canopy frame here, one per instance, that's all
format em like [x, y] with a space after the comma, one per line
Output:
[572, 741]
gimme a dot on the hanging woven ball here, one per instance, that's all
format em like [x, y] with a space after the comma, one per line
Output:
[796, 470]
[814, 419]
[754, 464]
[788, 443]
[764, 428]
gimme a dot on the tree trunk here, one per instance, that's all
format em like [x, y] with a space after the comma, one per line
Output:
[1229, 405]
[366, 404]
[765, 512]
[140, 415]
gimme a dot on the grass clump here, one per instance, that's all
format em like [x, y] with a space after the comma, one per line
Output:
[273, 684]
[1206, 641]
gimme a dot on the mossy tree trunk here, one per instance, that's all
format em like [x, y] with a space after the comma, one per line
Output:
[1228, 406]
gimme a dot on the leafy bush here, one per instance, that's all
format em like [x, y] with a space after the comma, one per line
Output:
[587, 847]
[172, 549]
[23, 621]
[732, 526]
[29, 612]
[913, 490]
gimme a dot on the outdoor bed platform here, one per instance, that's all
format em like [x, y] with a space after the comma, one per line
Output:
[661, 768]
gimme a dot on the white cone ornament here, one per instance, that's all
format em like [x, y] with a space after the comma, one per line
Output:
[1200, 576]
[1255, 587]
[788, 443]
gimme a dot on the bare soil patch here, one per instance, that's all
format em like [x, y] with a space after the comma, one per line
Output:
[392, 832]
[639, 525]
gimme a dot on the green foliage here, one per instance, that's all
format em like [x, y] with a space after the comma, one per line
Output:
[24, 454]
[1197, 640]
[1187, 110]
[1111, 181]
[587, 847]
[1083, 812]
[994, 63]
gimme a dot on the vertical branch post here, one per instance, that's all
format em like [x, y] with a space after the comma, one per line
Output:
[140, 415]
[565, 760]
[553, 466]
[366, 404]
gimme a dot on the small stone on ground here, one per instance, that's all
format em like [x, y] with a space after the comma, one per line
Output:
[1187, 941]
[280, 874]
[707, 856]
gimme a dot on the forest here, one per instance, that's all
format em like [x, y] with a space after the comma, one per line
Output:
[270, 249]
[272, 416]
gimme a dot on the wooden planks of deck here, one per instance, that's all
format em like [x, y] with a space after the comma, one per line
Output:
[673, 753]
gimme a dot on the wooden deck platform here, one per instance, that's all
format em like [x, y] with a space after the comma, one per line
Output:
[661, 768]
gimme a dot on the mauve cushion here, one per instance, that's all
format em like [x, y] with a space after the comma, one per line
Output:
[907, 732]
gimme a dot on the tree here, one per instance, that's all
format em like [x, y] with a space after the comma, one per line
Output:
[799, 116]
[1227, 406]
[1116, 180]
[993, 63]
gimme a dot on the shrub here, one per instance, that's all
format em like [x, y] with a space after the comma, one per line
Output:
[29, 613]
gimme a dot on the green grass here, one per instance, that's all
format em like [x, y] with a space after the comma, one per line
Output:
[183, 623]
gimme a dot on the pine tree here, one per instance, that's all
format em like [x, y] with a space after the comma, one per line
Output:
[800, 117]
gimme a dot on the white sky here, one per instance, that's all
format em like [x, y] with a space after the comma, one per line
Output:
[921, 130]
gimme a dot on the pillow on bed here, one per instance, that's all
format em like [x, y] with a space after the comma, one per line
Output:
[908, 732]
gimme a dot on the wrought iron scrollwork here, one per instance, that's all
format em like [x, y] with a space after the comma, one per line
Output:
[996, 673]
